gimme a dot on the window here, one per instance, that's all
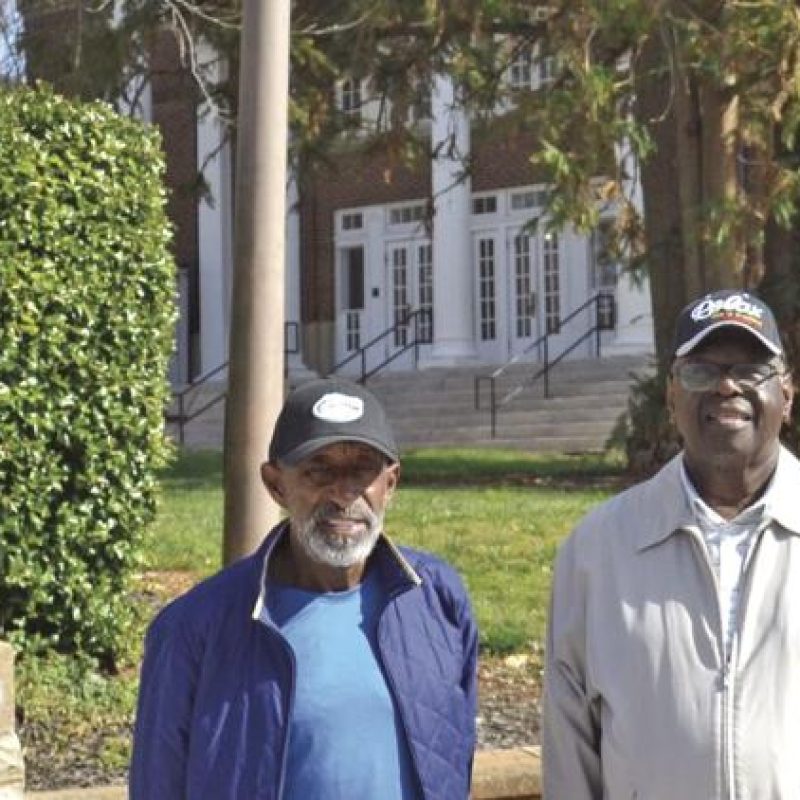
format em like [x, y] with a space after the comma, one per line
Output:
[604, 266]
[532, 198]
[400, 306]
[546, 68]
[532, 67]
[350, 100]
[523, 287]
[520, 70]
[352, 290]
[352, 221]
[425, 283]
[552, 283]
[353, 278]
[486, 289]
[405, 215]
[421, 109]
[485, 205]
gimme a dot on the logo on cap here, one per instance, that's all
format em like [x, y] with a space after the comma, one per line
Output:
[337, 407]
[734, 307]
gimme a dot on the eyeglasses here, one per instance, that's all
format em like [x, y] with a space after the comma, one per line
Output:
[702, 376]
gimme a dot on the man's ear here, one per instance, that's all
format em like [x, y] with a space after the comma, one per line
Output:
[787, 387]
[273, 480]
[392, 474]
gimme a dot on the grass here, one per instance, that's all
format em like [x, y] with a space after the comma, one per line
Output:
[497, 516]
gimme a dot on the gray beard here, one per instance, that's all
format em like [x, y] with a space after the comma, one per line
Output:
[335, 551]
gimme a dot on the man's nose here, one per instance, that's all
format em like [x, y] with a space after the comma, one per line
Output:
[727, 386]
[344, 491]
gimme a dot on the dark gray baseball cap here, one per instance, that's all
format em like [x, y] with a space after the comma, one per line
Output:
[326, 411]
[733, 308]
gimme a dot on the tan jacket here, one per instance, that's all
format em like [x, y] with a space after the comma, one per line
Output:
[639, 702]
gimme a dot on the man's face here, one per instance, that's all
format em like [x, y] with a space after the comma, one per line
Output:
[730, 423]
[336, 500]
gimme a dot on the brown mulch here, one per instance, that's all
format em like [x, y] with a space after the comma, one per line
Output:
[509, 695]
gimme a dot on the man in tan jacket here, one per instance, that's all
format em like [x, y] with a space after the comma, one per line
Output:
[674, 635]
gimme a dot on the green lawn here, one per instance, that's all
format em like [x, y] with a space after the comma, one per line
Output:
[496, 515]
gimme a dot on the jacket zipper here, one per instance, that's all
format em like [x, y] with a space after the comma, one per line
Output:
[725, 672]
[289, 712]
[393, 686]
[729, 661]
[289, 706]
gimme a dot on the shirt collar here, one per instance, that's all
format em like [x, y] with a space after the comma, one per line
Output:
[385, 551]
[666, 506]
[706, 516]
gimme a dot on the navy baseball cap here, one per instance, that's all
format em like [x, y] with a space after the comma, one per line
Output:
[327, 411]
[726, 308]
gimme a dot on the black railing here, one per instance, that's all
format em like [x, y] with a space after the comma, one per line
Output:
[183, 411]
[604, 319]
[418, 322]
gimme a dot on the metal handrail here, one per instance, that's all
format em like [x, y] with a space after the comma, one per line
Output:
[604, 319]
[291, 332]
[417, 316]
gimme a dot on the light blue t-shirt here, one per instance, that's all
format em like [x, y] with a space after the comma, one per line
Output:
[346, 740]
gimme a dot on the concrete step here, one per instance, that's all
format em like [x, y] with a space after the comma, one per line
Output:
[436, 407]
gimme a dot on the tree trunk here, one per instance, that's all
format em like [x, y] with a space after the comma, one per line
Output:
[694, 125]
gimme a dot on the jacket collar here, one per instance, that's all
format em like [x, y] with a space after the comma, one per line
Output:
[394, 567]
[667, 507]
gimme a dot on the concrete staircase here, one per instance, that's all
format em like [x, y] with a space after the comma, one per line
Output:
[436, 407]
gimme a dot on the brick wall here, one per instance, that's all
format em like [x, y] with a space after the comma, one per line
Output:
[11, 769]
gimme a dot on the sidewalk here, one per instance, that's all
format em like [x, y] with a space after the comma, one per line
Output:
[499, 775]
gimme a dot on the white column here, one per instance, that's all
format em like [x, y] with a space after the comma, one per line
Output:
[634, 332]
[298, 371]
[453, 282]
[214, 230]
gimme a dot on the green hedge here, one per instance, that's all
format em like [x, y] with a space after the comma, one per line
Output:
[86, 318]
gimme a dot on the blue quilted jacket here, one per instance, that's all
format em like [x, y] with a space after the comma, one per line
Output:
[215, 699]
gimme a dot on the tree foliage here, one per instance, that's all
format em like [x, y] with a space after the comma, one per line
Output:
[86, 314]
[696, 102]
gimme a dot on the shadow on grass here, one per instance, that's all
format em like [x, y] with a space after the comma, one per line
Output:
[452, 467]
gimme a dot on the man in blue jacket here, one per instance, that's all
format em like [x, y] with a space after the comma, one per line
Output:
[329, 665]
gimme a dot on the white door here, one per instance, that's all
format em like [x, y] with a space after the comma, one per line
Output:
[491, 313]
[523, 319]
[516, 276]
[409, 284]
[537, 299]
[351, 322]
[604, 277]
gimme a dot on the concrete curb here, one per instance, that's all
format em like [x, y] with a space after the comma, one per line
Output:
[513, 774]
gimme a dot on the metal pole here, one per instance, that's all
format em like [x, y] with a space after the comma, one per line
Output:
[546, 370]
[255, 377]
[494, 408]
[597, 322]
